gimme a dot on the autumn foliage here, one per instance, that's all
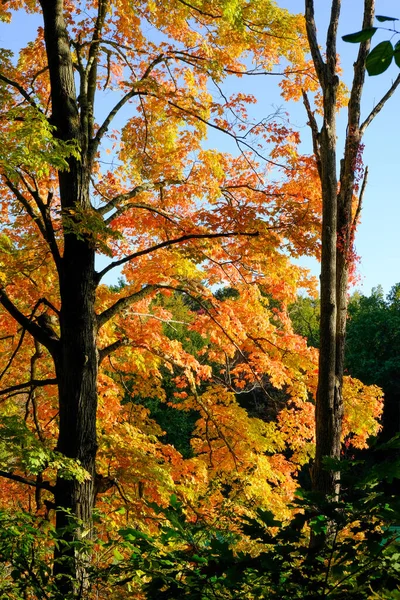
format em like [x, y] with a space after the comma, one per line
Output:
[177, 219]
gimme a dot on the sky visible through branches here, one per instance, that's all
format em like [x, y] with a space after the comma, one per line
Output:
[377, 237]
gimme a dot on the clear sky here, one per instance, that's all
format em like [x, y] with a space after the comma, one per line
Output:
[378, 236]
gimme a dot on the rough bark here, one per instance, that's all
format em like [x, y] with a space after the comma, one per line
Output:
[76, 360]
[328, 402]
[338, 224]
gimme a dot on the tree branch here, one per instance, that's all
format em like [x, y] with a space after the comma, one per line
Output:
[21, 198]
[120, 211]
[354, 107]
[312, 122]
[35, 330]
[239, 139]
[311, 28]
[45, 485]
[45, 225]
[183, 238]
[94, 144]
[359, 205]
[144, 187]
[331, 37]
[122, 303]
[29, 384]
[104, 352]
[377, 109]
[21, 90]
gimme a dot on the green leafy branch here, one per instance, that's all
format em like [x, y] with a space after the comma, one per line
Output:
[380, 58]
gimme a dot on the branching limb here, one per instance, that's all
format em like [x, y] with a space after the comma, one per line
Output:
[92, 64]
[34, 329]
[13, 355]
[239, 139]
[43, 221]
[44, 208]
[311, 27]
[45, 485]
[180, 240]
[22, 200]
[29, 384]
[359, 70]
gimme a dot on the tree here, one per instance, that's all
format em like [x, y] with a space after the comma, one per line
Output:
[340, 214]
[372, 349]
[207, 217]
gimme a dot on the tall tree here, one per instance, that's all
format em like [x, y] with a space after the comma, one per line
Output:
[207, 217]
[340, 214]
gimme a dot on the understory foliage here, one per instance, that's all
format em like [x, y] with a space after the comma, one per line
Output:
[152, 432]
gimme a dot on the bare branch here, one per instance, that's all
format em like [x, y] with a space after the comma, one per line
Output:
[45, 485]
[359, 205]
[354, 107]
[311, 28]
[13, 355]
[180, 240]
[91, 68]
[312, 122]
[94, 144]
[377, 109]
[331, 37]
[29, 384]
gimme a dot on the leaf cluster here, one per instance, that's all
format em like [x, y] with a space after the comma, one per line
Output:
[381, 56]
[261, 557]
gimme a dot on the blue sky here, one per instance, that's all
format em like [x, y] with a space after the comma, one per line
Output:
[378, 236]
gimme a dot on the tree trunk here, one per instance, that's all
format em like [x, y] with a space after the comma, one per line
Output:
[328, 402]
[77, 358]
[77, 383]
[338, 225]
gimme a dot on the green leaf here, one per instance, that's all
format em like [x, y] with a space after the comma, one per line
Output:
[117, 555]
[381, 18]
[396, 54]
[379, 59]
[360, 36]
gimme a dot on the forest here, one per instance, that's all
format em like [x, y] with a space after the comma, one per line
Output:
[186, 411]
